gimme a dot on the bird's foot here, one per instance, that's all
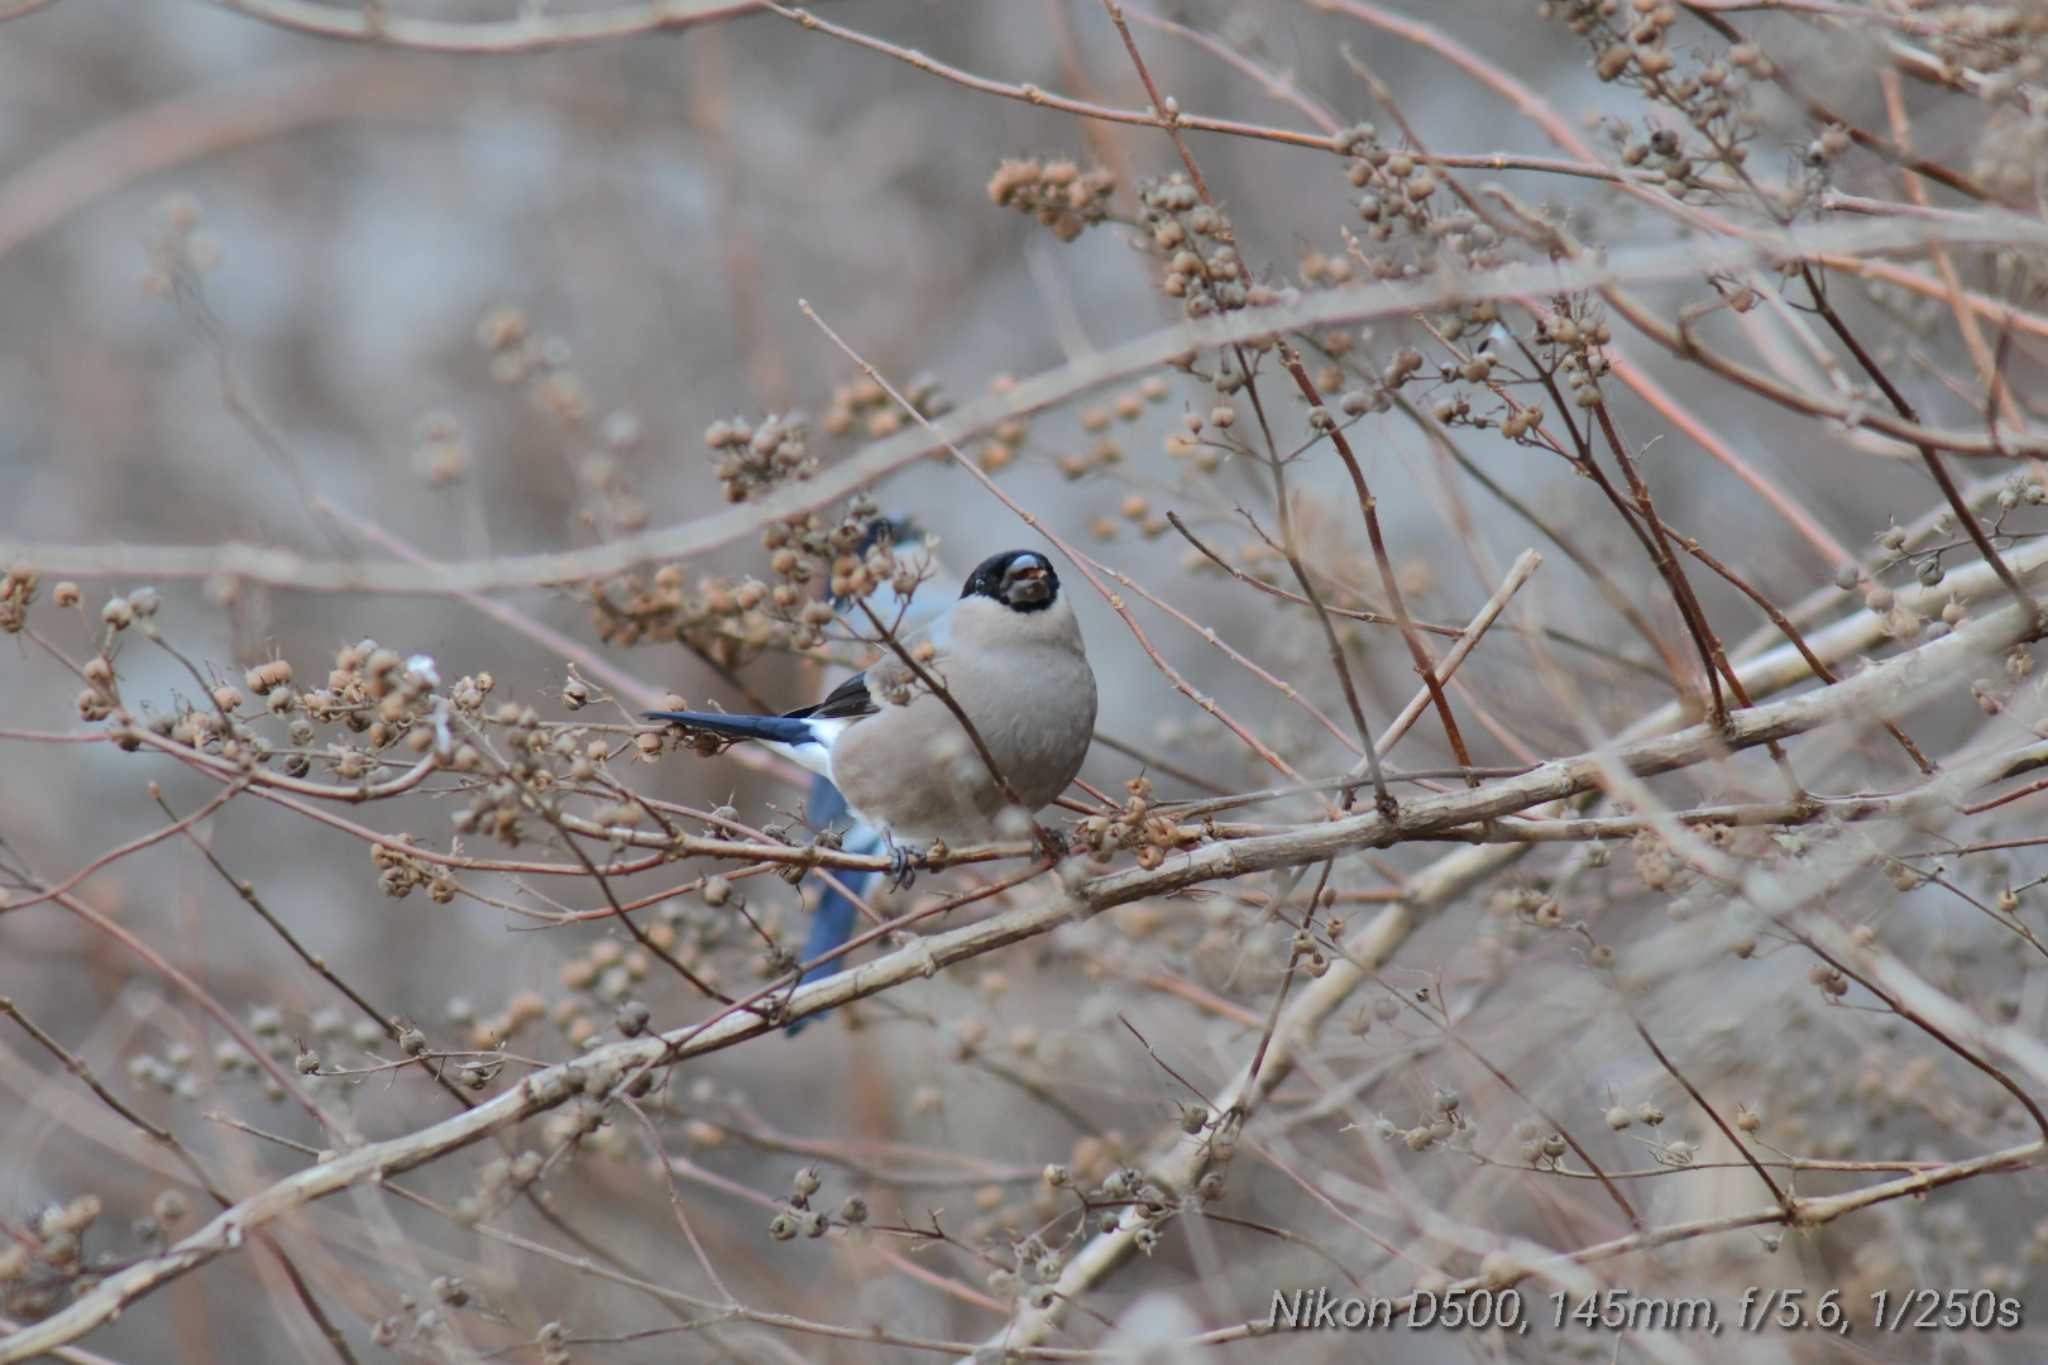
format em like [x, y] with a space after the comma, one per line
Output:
[1053, 844]
[903, 861]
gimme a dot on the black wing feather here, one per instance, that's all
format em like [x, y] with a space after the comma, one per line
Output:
[844, 702]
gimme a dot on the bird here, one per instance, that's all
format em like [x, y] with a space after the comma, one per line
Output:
[838, 911]
[1008, 652]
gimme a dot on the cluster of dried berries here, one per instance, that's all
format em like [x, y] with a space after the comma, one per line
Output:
[371, 691]
[609, 503]
[852, 555]
[1136, 510]
[17, 591]
[867, 403]
[1007, 438]
[798, 1215]
[753, 460]
[1107, 451]
[440, 453]
[1057, 193]
[530, 760]
[47, 1262]
[399, 873]
[1194, 239]
[716, 618]
[1010, 1223]
[1575, 340]
[520, 355]
[182, 249]
[1321, 270]
[1394, 185]
[1398, 199]
[1630, 46]
[1445, 1123]
[1136, 826]
[382, 702]
[601, 986]
[266, 678]
[1629, 42]
[733, 623]
[1996, 40]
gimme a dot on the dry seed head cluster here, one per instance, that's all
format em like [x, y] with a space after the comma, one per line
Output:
[865, 403]
[182, 249]
[2001, 41]
[1395, 186]
[753, 460]
[377, 711]
[541, 364]
[441, 453]
[1055, 191]
[1631, 45]
[1194, 240]
[1575, 340]
[17, 591]
[815, 562]
[1135, 826]
[543, 367]
[1007, 438]
[48, 1262]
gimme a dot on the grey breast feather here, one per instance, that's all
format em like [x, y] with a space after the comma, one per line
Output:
[1020, 677]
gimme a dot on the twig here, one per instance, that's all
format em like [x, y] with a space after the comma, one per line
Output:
[1519, 573]
[530, 32]
[1389, 580]
[1784, 1200]
[1928, 454]
[1348, 613]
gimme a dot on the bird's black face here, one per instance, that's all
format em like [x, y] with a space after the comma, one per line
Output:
[1021, 580]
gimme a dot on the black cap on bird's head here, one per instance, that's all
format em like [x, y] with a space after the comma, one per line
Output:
[1022, 580]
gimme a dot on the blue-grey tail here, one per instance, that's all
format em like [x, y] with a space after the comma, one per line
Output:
[831, 926]
[833, 922]
[781, 729]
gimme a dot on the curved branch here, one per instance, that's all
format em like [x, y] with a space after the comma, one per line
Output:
[533, 31]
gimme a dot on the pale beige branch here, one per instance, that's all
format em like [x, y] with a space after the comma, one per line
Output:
[1679, 262]
[534, 29]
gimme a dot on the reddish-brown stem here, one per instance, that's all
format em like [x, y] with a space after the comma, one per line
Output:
[1928, 455]
[1659, 546]
[1791, 633]
[1726, 1131]
[1390, 584]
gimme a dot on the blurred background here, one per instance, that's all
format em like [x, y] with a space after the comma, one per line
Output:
[263, 286]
